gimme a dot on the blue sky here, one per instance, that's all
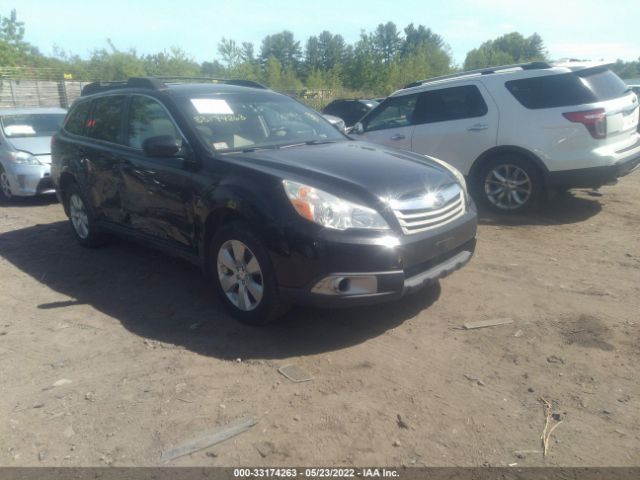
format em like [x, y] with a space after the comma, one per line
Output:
[585, 29]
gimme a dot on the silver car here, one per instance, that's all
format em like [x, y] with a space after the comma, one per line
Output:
[25, 150]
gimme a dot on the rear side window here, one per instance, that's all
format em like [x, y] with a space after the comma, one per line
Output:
[147, 119]
[106, 119]
[77, 118]
[567, 89]
[446, 104]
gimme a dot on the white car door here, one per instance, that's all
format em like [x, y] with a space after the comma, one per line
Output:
[390, 123]
[455, 124]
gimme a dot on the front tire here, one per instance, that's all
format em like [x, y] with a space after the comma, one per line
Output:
[5, 185]
[81, 218]
[243, 275]
[509, 184]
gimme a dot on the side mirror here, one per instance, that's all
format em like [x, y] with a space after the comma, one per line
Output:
[161, 146]
[337, 122]
[358, 128]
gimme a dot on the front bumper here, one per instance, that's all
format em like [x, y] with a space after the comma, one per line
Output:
[29, 180]
[593, 177]
[394, 271]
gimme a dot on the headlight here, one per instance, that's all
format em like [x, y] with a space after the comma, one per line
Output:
[24, 158]
[330, 211]
[456, 173]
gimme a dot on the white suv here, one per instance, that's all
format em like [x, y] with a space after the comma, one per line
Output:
[517, 132]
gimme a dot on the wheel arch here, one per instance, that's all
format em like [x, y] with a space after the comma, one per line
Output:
[66, 179]
[508, 149]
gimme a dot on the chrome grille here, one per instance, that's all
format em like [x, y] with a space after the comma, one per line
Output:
[430, 210]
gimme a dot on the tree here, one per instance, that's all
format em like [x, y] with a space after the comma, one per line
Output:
[247, 52]
[365, 66]
[284, 48]
[324, 52]
[387, 41]
[115, 65]
[14, 51]
[415, 38]
[214, 68]
[172, 62]
[627, 69]
[230, 52]
[507, 49]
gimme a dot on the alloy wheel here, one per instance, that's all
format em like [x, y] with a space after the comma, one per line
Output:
[508, 187]
[79, 217]
[5, 185]
[240, 275]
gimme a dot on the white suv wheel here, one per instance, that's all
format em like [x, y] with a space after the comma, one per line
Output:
[508, 187]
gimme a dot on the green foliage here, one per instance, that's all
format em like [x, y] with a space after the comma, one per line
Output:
[172, 62]
[627, 69]
[378, 63]
[14, 51]
[507, 49]
[115, 65]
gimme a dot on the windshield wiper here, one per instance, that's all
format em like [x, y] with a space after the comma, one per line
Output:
[309, 142]
[255, 149]
[318, 142]
[252, 149]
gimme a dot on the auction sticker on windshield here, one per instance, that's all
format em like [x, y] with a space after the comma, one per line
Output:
[211, 106]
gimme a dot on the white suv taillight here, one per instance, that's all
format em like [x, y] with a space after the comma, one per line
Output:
[594, 120]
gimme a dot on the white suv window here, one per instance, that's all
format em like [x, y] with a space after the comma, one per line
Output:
[446, 104]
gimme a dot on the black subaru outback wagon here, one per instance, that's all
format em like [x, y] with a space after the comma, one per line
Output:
[261, 192]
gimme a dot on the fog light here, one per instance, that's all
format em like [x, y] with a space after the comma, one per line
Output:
[345, 285]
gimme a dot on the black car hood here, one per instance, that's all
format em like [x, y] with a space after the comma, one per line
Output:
[375, 170]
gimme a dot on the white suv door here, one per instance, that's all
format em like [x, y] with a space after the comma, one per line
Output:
[455, 124]
[390, 123]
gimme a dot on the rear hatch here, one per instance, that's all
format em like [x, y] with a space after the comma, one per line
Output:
[594, 97]
[618, 101]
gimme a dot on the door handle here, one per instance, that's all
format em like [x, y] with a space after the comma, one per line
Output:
[478, 127]
[397, 136]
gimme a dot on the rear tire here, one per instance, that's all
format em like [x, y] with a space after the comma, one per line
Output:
[509, 183]
[243, 275]
[81, 218]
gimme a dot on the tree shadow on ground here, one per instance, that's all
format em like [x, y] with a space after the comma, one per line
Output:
[166, 299]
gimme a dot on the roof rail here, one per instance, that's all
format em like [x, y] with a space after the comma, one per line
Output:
[227, 81]
[134, 82]
[160, 83]
[482, 71]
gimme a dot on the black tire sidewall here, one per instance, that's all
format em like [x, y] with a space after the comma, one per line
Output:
[270, 307]
[509, 159]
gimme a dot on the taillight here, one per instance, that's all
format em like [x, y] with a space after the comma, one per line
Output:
[594, 120]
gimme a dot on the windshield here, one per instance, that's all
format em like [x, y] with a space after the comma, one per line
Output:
[31, 124]
[254, 120]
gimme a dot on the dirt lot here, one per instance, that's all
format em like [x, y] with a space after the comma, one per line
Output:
[144, 358]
